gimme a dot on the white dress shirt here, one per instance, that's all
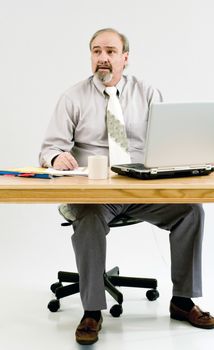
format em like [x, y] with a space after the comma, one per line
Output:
[78, 124]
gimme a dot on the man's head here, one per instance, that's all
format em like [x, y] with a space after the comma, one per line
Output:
[109, 55]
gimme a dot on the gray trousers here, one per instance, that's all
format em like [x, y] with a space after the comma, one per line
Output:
[183, 221]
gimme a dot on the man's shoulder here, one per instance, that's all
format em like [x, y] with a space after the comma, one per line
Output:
[141, 83]
[144, 87]
[79, 87]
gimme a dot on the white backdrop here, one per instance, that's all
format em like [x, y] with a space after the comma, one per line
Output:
[44, 50]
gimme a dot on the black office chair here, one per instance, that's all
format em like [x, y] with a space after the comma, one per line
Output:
[111, 279]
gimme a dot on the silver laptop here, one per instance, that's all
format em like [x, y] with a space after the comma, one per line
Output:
[180, 142]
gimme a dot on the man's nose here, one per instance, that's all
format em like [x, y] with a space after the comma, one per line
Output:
[103, 57]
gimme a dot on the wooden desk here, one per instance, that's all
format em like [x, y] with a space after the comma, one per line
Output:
[116, 189]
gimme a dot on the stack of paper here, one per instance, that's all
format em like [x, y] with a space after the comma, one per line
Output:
[43, 172]
[81, 171]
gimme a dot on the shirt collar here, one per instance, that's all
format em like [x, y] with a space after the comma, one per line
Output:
[120, 85]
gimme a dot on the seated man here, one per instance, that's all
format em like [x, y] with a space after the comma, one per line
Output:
[79, 128]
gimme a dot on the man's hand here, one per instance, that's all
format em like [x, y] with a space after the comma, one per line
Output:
[65, 161]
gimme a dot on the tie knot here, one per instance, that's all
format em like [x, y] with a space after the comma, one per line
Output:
[111, 90]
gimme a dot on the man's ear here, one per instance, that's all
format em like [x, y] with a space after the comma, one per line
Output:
[126, 58]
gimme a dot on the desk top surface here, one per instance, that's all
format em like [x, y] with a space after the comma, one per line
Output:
[116, 189]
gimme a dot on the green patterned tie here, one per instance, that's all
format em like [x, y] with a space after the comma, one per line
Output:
[118, 142]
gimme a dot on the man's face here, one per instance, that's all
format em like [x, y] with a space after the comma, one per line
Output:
[107, 58]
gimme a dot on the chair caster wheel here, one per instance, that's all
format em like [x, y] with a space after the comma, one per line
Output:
[116, 310]
[152, 294]
[54, 305]
[54, 286]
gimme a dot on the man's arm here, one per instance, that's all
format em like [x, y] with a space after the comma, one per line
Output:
[58, 142]
[153, 95]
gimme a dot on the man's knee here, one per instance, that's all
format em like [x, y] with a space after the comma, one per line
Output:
[89, 211]
[91, 220]
[198, 211]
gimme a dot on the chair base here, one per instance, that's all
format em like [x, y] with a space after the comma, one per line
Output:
[111, 279]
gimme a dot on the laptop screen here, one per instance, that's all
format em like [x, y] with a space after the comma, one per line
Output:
[180, 134]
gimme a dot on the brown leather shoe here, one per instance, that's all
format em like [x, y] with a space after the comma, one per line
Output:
[87, 331]
[196, 317]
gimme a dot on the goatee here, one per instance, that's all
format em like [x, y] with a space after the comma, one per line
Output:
[104, 77]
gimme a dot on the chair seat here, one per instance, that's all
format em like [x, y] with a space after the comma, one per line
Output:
[123, 220]
[120, 220]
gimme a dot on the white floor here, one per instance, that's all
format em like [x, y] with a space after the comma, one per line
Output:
[34, 247]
